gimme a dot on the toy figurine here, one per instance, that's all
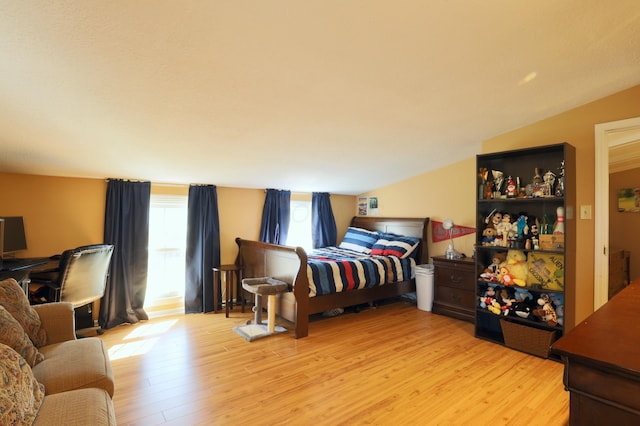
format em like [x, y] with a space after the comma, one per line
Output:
[560, 186]
[511, 188]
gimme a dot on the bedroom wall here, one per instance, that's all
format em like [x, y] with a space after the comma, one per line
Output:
[450, 190]
[60, 212]
[440, 194]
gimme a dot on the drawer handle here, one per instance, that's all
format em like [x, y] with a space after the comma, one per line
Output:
[456, 279]
[456, 297]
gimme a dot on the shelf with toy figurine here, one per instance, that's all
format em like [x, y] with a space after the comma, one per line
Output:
[528, 306]
[533, 269]
[524, 319]
[532, 227]
[525, 246]
[504, 199]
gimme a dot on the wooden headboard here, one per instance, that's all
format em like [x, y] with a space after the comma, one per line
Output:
[411, 227]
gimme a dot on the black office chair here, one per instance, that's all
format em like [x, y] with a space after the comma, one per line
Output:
[80, 279]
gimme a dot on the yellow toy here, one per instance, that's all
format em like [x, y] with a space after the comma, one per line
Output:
[516, 267]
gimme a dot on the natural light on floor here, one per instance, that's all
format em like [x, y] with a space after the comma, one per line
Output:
[140, 347]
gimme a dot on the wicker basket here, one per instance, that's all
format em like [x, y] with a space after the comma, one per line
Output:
[527, 338]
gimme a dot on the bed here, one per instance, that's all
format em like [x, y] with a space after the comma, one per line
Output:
[306, 297]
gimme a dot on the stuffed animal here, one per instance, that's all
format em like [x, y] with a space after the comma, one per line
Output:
[516, 264]
[505, 277]
[495, 307]
[506, 300]
[496, 218]
[522, 227]
[545, 311]
[503, 229]
[488, 297]
[522, 294]
[489, 235]
[558, 304]
[491, 272]
[522, 309]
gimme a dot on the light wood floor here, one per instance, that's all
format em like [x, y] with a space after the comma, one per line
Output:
[393, 364]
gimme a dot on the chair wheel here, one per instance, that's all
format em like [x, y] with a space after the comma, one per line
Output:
[100, 331]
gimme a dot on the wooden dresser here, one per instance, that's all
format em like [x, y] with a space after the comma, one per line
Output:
[601, 359]
[454, 288]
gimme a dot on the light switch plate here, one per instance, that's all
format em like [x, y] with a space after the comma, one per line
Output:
[585, 212]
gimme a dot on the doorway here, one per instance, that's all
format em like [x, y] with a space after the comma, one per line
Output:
[610, 135]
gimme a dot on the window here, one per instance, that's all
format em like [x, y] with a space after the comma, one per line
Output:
[167, 244]
[300, 225]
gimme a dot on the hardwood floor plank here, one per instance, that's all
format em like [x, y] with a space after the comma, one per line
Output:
[393, 364]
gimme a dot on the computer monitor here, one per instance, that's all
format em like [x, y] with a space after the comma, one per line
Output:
[14, 238]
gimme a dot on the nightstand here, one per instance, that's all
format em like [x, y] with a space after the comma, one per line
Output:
[454, 288]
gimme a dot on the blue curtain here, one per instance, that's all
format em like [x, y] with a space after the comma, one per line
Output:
[203, 248]
[126, 226]
[275, 217]
[324, 232]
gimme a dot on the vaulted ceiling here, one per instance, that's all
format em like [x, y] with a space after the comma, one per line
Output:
[339, 96]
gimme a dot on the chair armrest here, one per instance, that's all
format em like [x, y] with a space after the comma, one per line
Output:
[59, 321]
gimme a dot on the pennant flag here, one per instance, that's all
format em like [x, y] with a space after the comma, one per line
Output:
[438, 233]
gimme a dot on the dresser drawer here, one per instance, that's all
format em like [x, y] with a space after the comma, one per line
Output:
[454, 288]
[463, 279]
[455, 296]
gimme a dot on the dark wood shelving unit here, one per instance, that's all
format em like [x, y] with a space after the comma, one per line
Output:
[520, 165]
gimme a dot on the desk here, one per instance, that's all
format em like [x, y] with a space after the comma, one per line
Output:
[602, 363]
[22, 275]
[228, 273]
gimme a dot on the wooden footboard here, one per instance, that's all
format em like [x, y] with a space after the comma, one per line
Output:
[289, 264]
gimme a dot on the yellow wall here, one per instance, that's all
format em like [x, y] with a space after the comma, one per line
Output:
[446, 193]
[449, 192]
[59, 213]
[62, 213]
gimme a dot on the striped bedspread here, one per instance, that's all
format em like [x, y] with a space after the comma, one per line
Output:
[333, 270]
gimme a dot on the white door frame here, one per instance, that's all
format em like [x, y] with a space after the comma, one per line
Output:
[605, 137]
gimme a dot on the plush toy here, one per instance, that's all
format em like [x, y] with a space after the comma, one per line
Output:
[495, 307]
[506, 300]
[558, 304]
[505, 277]
[516, 265]
[545, 311]
[491, 271]
[522, 227]
[496, 218]
[522, 309]
[522, 294]
[489, 235]
[488, 297]
[503, 229]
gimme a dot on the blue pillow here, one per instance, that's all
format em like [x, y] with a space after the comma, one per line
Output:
[360, 240]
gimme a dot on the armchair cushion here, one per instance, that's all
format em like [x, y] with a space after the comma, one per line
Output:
[58, 319]
[12, 335]
[77, 407]
[20, 394]
[14, 300]
[78, 364]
